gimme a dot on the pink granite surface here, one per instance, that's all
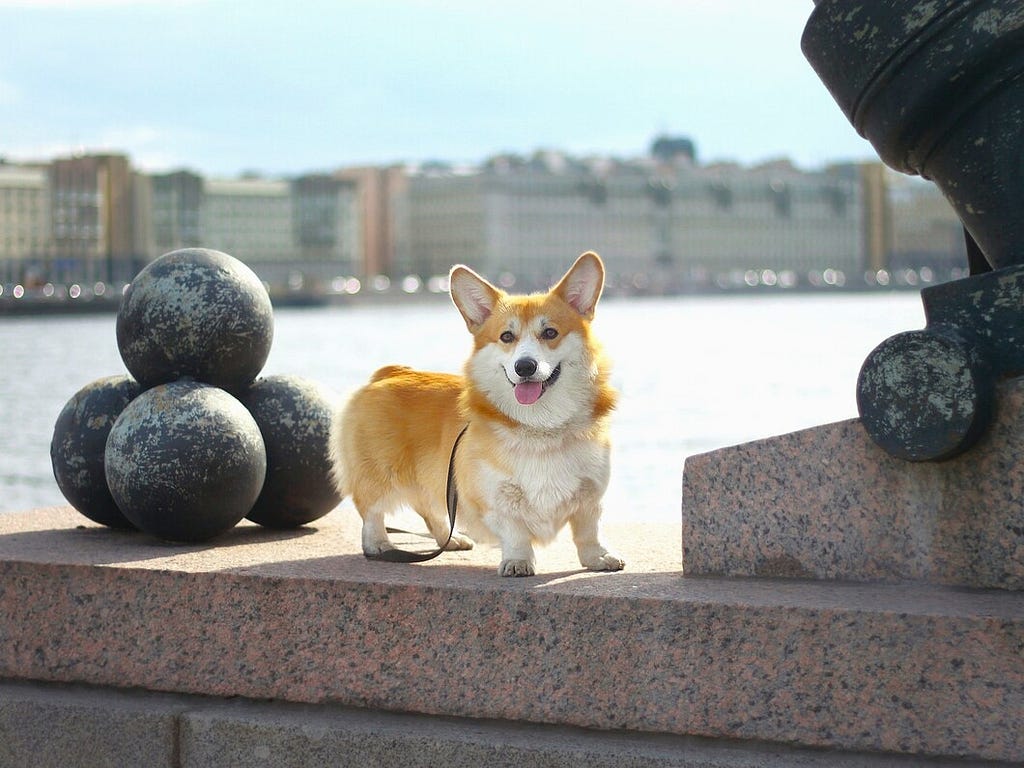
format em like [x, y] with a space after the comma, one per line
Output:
[303, 617]
[827, 503]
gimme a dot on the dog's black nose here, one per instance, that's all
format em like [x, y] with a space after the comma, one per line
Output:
[526, 366]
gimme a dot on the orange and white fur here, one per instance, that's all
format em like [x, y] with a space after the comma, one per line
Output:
[535, 456]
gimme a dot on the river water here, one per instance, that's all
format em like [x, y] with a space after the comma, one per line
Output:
[694, 373]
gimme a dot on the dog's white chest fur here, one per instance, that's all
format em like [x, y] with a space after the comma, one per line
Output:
[548, 481]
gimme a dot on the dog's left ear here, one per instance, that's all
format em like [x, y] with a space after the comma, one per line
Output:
[582, 285]
[474, 296]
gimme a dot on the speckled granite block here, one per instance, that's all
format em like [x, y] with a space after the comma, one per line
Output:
[74, 728]
[303, 617]
[57, 726]
[827, 503]
[273, 735]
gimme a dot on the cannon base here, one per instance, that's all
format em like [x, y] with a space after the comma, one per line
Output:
[928, 395]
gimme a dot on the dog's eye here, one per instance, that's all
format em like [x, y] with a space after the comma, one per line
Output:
[507, 337]
[548, 333]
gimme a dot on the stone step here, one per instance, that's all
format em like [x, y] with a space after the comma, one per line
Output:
[827, 503]
[302, 617]
[55, 726]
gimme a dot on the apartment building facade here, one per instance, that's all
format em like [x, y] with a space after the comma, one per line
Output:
[97, 228]
[174, 203]
[663, 223]
[659, 226]
[294, 233]
[249, 218]
[72, 219]
[25, 229]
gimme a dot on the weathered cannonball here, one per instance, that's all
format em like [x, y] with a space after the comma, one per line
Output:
[195, 313]
[294, 415]
[926, 395]
[78, 444]
[185, 461]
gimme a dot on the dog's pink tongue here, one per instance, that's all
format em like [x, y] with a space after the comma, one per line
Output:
[527, 392]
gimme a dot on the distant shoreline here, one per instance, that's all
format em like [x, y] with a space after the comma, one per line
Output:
[62, 306]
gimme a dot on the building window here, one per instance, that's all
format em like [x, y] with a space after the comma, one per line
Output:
[722, 195]
[782, 199]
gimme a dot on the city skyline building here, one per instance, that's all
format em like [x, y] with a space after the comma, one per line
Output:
[25, 224]
[96, 230]
[663, 223]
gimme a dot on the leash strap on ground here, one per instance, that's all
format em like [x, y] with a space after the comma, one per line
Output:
[451, 500]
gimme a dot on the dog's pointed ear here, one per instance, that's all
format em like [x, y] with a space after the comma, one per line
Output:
[474, 296]
[582, 285]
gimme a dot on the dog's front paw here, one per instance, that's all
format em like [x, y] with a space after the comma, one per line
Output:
[458, 541]
[516, 568]
[606, 561]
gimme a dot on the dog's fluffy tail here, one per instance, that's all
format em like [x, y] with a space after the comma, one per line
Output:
[336, 450]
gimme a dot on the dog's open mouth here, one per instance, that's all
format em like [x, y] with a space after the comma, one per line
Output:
[528, 392]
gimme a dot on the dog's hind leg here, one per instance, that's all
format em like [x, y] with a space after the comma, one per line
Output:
[374, 512]
[439, 526]
[440, 533]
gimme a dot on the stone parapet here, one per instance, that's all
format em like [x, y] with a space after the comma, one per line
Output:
[827, 503]
[302, 617]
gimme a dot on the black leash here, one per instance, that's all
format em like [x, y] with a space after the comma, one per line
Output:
[451, 500]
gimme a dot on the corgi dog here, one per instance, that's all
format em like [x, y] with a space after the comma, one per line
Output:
[535, 401]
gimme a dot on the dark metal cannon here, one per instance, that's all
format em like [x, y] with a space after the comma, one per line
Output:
[937, 87]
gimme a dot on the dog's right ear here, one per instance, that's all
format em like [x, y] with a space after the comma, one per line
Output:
[474, 296]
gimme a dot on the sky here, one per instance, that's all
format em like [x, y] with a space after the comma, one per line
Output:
[224, 87]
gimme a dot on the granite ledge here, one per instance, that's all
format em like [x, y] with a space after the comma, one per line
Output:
[827, 503]
[302, 617]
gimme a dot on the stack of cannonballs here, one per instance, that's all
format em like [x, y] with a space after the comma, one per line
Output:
[192, 441]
